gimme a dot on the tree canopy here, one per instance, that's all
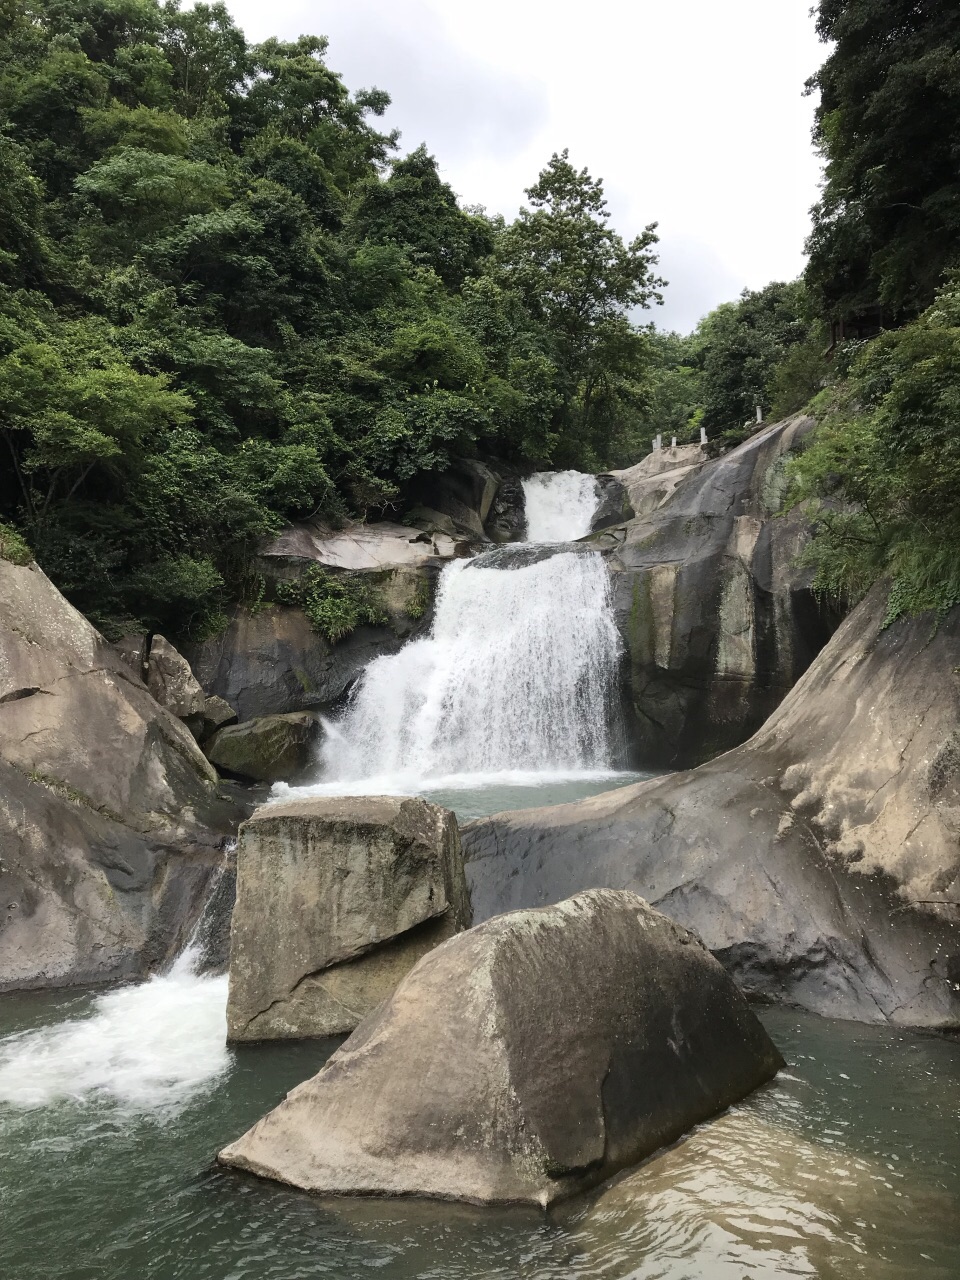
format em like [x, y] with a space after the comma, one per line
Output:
[888, 127]
[227, 302]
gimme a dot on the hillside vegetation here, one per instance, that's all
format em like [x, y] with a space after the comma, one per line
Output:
[224, 304]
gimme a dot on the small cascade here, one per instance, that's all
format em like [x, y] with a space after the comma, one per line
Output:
[559, 505]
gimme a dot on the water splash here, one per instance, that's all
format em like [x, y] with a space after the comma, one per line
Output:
[559, 505]
[516, 677]
[147, 1047]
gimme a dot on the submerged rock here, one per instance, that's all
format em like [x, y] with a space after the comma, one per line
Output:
[269, 749]
[820, 861]
[336, 901]
[523, 1061]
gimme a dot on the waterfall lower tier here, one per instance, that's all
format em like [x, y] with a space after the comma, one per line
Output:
[559, 505]
[517, 676]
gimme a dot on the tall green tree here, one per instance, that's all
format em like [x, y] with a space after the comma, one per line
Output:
[580, 283]
[888, 127]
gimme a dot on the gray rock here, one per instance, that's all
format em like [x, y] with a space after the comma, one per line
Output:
[465, 493]
[507, 521]
[613, 506]
[336, 901]
[133, 649]
[110, 822]
[521, 1062]
[372, 548]
[811, 859]
[282, 748]
[718, 621]
[215, 715]
[271, 661]
[171, 681]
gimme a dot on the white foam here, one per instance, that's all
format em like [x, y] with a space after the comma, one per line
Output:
[559, 505]
[148, 1047]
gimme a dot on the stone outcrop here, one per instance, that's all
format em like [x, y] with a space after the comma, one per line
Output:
[820, 861]
[282, 748]
[613, 505]
[718, 620]
[271, 661]
[110, 822]
[171, 681]
[336, 901]
[521, 1062]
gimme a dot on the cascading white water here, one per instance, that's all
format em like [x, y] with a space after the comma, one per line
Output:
[145, 1048]
[559, 505]
[516, 677]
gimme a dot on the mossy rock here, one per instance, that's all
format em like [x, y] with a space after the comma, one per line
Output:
[281, 748]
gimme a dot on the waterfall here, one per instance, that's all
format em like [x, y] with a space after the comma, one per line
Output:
[559, 505]
[516, 681]
[516, 677]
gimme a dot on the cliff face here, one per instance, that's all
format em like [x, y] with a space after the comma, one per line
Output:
[718, 621]
[110, 823]
[820, 860]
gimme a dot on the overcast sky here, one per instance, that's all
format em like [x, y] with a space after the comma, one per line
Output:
[691, 111]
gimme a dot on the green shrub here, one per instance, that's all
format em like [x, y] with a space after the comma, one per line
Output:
[882, 474]
[336, 604]
[13, 547]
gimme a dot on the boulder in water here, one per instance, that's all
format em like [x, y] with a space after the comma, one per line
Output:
[269, 749]
[336, 901]
[521, 1062]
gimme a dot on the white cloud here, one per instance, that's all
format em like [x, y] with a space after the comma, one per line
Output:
[692, 112]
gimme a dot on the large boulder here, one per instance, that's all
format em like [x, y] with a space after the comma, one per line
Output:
[281, 748]
[271, 661]
[521, 1062]
[336, 901]
[820, 861]
[110, 822]
[171, 681]
[718, 620]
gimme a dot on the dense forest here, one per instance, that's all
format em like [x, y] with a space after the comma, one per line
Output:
[225, 304]
[227, 300]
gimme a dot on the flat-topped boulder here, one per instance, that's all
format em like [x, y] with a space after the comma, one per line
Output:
[337, 899]
[522, 1061]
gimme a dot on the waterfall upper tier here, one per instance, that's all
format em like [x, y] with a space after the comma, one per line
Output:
[559, 505]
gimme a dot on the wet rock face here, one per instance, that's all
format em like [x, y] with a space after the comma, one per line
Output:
[521, 1062]
[336, 901]
[109, 813]
[613, 506]
[718, 620]
[810, 859]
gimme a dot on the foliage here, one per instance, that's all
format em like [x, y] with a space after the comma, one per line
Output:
[888, 127]
[761, 350]
[578, 282]
[13, 547]
[225, 305]
[882, 474]
[336, 604]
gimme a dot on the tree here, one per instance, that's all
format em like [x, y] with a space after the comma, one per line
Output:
[742, 345]
[579, 283]
[888, 127]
